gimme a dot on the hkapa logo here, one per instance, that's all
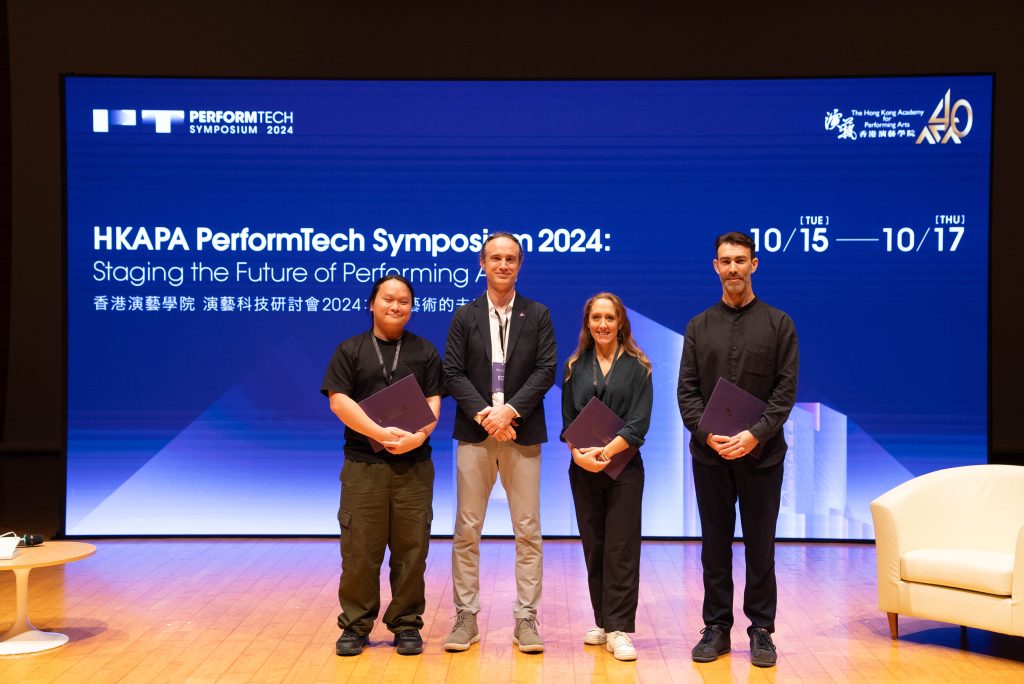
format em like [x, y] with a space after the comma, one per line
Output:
[161, 119]
[944, 124]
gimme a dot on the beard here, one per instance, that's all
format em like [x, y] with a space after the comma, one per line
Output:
[735, 286]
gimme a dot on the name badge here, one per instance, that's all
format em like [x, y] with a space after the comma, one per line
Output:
[497, 376]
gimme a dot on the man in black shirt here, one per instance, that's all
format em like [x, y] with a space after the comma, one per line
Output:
[754, 346]
[386, 496]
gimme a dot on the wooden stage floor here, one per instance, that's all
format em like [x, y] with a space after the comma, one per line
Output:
[230, 610]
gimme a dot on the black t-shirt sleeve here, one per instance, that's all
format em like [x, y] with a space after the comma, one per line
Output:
[433, 375]
[341, 372]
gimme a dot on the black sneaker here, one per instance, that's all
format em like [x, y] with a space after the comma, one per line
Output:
[714, 641]
[350, 643]
[408, 642]
[762, 650]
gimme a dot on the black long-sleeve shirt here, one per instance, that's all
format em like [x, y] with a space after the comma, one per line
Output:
[629, 394]
[754, 347]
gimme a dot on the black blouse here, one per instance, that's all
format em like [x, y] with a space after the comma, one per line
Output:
[629, 392]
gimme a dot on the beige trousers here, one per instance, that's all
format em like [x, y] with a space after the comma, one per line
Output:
[477, 467]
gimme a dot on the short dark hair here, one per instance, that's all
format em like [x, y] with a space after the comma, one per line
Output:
[383, 279]
[736, 238]
[493, 236]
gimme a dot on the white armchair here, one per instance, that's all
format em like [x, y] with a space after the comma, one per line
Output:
[950, 547]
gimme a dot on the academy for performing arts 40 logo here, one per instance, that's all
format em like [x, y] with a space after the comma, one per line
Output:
[949, 122]
[945, 123]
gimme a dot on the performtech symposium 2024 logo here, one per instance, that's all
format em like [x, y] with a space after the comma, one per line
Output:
[200, 121]
[950, 122]
[161, 119]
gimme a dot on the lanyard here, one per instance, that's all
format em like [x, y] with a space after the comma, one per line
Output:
[615, 357]
[504, 327]
[380, 357]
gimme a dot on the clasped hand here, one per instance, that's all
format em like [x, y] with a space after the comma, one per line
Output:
[731, 448]
[401, 440]
[498, 421]
[590, 458]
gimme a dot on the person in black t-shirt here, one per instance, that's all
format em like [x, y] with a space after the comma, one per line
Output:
[387, 496]
[609, 365]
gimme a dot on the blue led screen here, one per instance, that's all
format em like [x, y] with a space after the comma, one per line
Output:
[222, 237]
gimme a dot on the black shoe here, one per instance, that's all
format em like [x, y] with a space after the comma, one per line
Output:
[762, 650]
[408, 642]
[350, 643]
[714, 641]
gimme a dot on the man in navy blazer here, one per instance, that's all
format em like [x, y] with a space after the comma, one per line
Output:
[499, 362]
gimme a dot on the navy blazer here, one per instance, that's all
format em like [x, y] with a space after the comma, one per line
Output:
[530, 365]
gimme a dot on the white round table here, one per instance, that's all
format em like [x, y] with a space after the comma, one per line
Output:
[23, 637]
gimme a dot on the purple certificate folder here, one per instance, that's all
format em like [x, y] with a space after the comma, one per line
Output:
[400, 405]
[730, 411]
[596, 425]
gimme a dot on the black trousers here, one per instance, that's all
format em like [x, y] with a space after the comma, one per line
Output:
[384, 505]
[759, 492]
[608, 515]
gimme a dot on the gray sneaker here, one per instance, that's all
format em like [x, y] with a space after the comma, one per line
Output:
[464, 632]
[527, 636]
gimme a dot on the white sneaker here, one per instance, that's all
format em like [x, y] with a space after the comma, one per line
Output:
[621, 646]
[595, 636]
